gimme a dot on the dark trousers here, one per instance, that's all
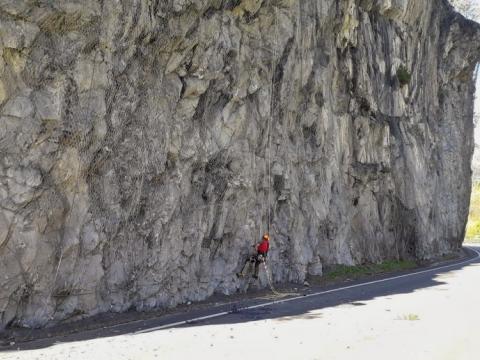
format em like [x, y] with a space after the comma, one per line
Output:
[254, 259]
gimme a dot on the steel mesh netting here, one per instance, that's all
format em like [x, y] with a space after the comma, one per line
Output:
[115, 136]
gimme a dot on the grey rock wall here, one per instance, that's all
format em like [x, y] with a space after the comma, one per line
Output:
[146, 145]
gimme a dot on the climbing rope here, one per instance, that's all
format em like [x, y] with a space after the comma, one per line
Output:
[268, 158]
[270, 283]
[269, 125]
[269, 145]
[269, 279]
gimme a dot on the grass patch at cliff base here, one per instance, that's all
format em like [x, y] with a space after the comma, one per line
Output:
[339, 273]
[344, 271]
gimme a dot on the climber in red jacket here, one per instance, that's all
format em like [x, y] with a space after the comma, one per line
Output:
[258, 258]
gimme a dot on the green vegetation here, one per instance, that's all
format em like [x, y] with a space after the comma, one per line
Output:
[472, 234]
[410, 317]
[403, 75]
[352, 272]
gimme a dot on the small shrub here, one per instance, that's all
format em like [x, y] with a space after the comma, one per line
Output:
[403, 75]
[409, 317]
[472, 234]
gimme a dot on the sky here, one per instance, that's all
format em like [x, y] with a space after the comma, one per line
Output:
[476, 131]
[477, 99]
[477, 112]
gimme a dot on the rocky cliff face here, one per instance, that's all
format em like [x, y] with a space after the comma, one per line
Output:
[146, 145]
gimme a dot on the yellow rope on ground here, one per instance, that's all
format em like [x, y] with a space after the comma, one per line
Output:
[270, 283]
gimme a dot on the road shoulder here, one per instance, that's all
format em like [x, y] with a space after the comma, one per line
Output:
[111, 324]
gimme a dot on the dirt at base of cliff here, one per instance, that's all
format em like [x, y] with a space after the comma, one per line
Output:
[12, 336]
[146, 145]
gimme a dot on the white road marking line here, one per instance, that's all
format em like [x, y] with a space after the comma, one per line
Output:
[186, 322]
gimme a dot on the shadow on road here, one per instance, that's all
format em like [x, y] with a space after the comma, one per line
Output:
[355, 293]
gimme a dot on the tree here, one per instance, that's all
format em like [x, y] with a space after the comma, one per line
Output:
[468, 8]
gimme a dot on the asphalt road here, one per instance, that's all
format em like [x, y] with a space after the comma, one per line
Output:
[427, 314]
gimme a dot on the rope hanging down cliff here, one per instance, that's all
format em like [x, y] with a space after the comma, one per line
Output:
[260, 256]
[268, 156]
[268, 151]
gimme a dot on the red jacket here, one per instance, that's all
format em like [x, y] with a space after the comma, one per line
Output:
[263, 247]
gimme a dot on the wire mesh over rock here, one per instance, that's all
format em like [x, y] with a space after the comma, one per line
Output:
[147, 145]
